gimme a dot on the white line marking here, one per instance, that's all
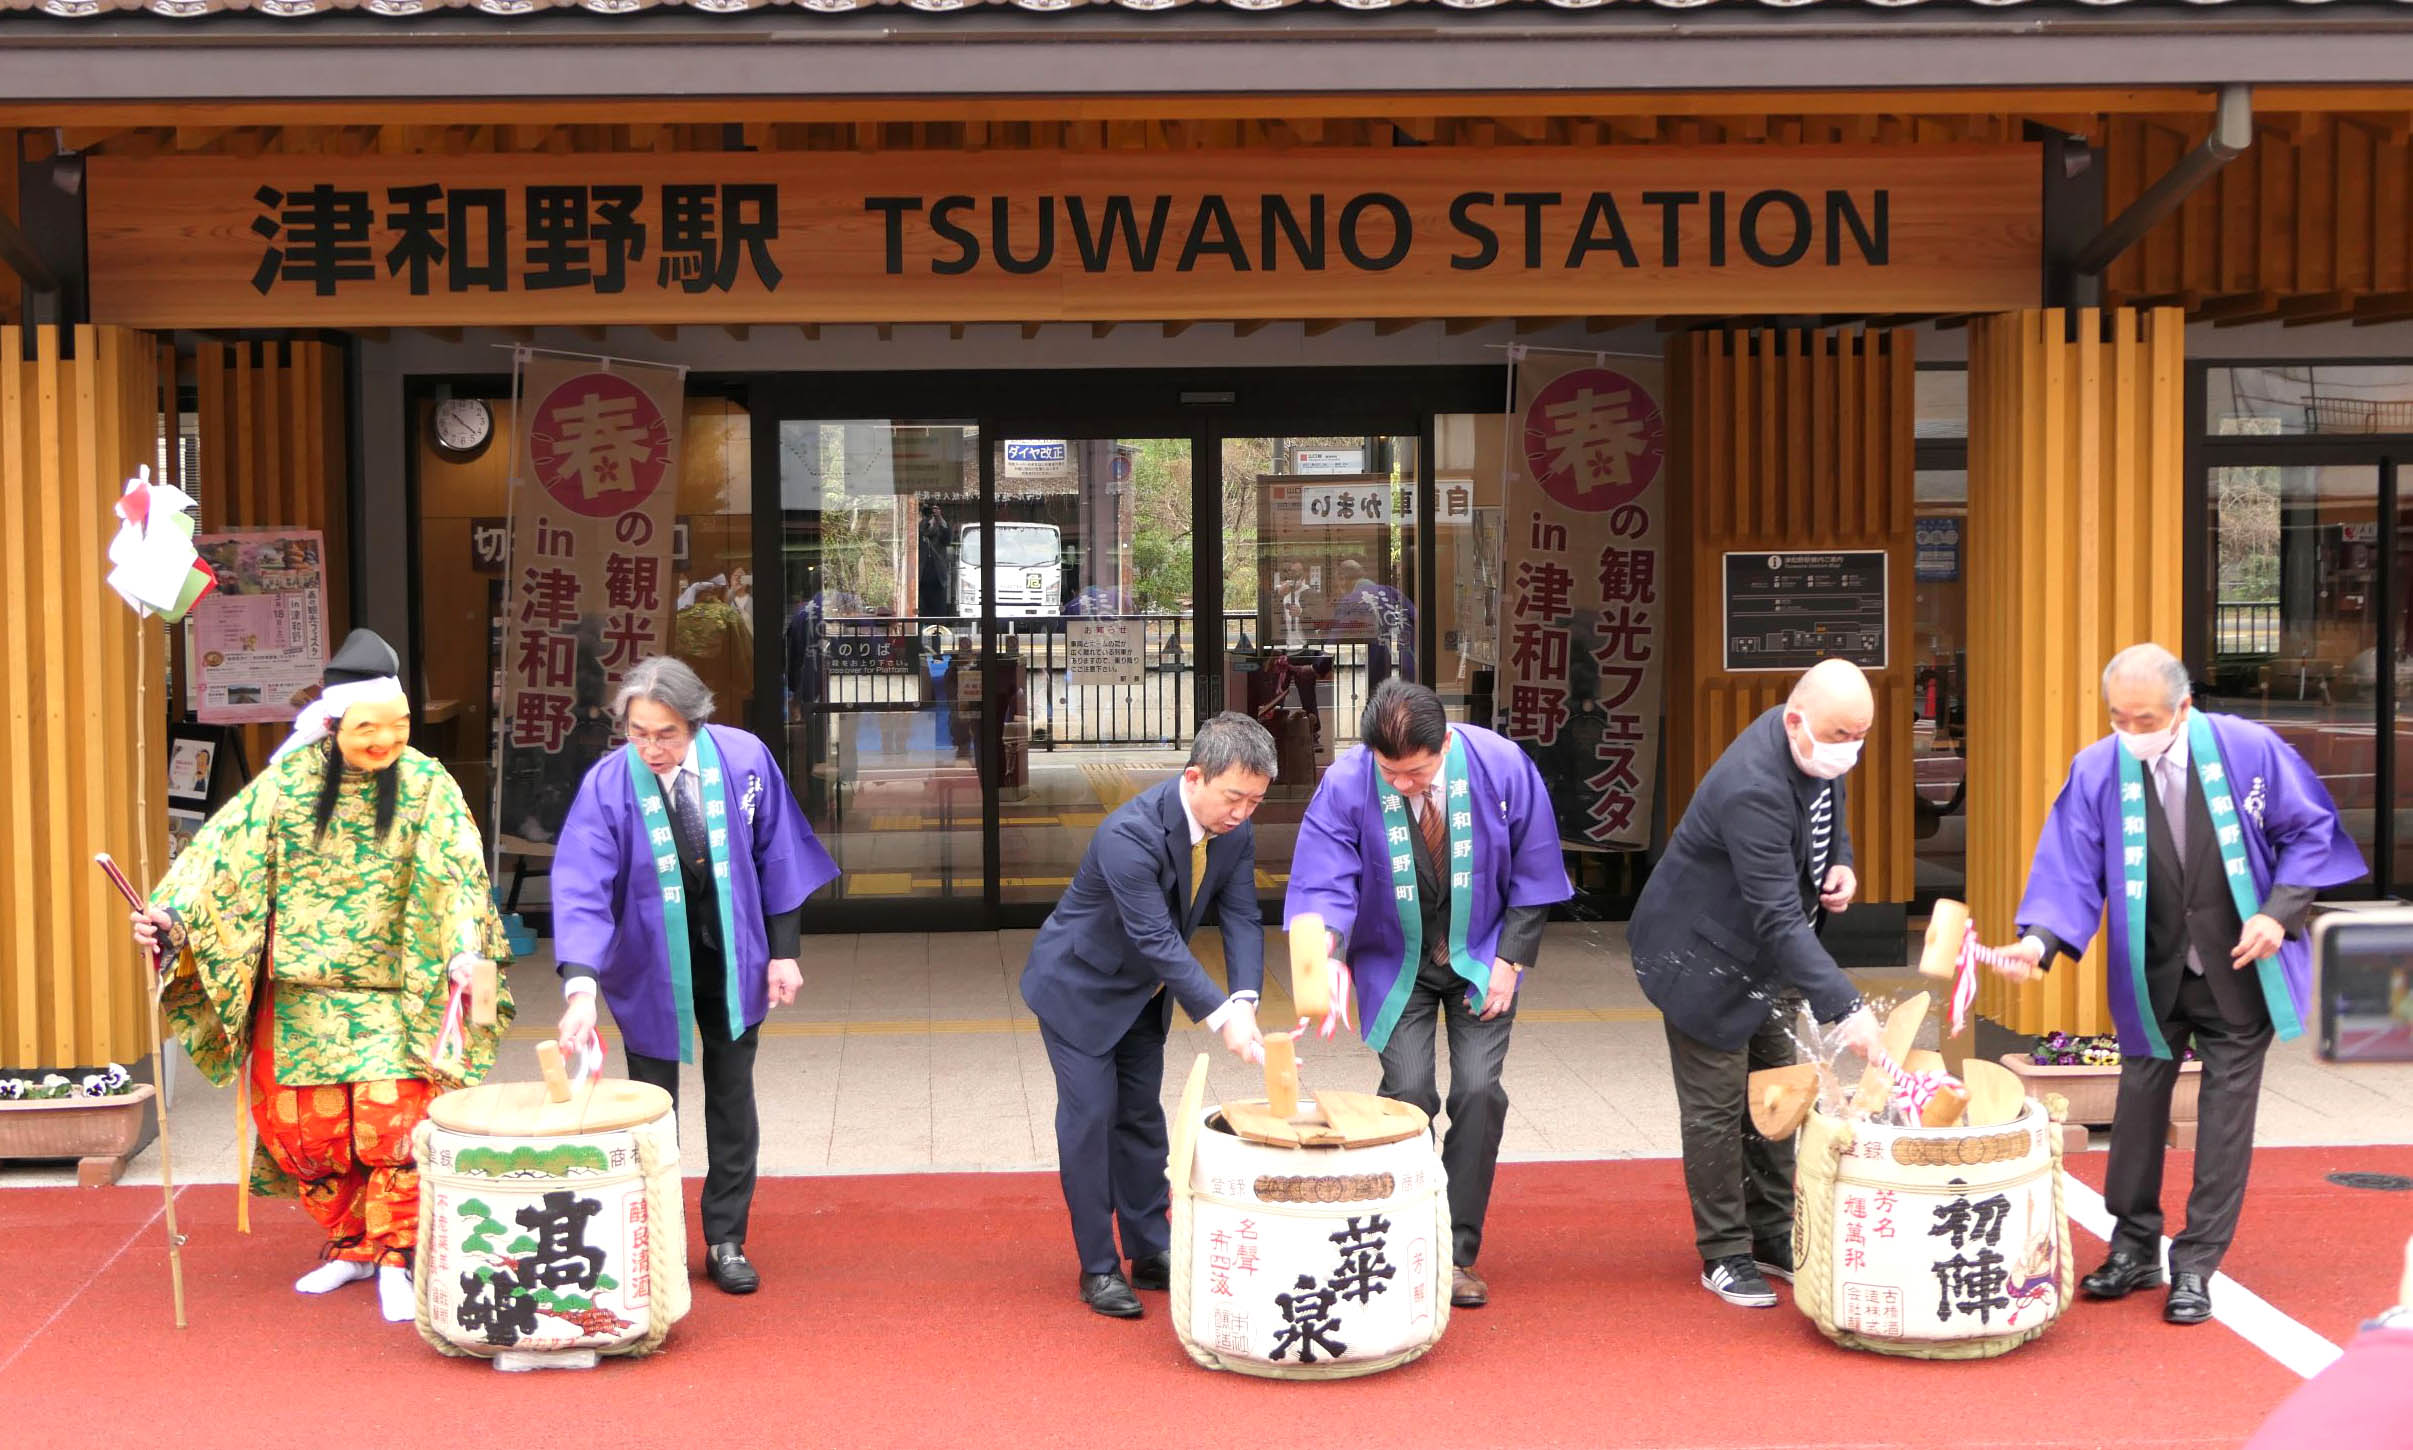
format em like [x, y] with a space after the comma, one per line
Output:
[2255, 1319]
[89, 1280]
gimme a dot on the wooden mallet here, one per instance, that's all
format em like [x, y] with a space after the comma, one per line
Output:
[1947, 931]
[1310, 958]
[1281, 1074]
[483, 983]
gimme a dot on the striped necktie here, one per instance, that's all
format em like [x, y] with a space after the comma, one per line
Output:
[1822, 834]
[1436, 834]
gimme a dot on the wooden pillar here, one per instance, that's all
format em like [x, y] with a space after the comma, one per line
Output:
[82, 747]
[1795, 440]
[2076, 543]
[273, 456]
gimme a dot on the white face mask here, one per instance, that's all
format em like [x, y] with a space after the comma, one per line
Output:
[2155, 745]
[1827, 759]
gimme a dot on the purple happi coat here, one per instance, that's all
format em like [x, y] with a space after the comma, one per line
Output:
[2291, 834]
[1342, 860]
[607, 897]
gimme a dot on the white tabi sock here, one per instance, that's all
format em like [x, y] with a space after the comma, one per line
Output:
[333, 1274]
[395, 1298]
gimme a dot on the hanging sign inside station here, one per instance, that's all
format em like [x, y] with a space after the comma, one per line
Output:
[1032, 236]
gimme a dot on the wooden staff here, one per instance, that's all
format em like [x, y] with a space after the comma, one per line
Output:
[167, 1172]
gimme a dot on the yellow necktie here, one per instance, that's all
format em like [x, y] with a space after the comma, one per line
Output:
[1197, 867]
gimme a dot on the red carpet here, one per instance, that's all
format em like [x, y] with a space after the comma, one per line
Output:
[938, 1310]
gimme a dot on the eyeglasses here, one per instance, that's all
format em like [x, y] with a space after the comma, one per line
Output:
[673, 737]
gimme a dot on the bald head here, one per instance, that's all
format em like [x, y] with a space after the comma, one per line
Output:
[1827, 716]
[1833, 688]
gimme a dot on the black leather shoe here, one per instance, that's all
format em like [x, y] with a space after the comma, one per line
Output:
[1153, 1272]
[2122, 1274]
[729, 1269]
[2190, 1300]
[1110, 1295]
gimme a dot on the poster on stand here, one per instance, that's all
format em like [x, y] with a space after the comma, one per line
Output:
[256, 645]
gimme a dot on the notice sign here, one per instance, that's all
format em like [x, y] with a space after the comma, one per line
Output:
[1331, 460]
[257, 644]
[1107, 651]
[873, 654]
[1327, 505]
[1789, 611]
[1938, 560]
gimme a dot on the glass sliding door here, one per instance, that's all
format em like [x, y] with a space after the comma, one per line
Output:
[880, 681]
[1096, 640]
[2298, 618]
[1319, 603]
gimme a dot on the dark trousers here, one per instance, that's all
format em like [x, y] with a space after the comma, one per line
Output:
[2231, 1092]
[1110, 1141]
[732, 1134]
[1478, 1101]
[1741, 1184]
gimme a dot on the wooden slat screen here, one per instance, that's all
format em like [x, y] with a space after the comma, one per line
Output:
[2076, 490]
[82, 763]
[2311, 223]
[273, 455]
[1793, 440]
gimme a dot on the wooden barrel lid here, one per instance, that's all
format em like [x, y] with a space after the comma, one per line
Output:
[1332, 1119]
[521, 1109]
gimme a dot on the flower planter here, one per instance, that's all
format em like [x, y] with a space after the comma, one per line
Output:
[100, 1132]
[2093, 1093]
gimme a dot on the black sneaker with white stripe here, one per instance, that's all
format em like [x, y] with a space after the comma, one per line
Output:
[1774, 1260]
[1737, 1280]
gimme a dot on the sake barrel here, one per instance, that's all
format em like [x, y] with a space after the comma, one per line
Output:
[1938, 1243]
[550, 1228]
[1320, 1262]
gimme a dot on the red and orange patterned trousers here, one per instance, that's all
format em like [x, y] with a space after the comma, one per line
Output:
[349, 1146]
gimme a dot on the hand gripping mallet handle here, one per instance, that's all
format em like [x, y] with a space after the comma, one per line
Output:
[167, 1175]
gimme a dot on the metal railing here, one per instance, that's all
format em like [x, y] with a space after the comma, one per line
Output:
[2245, 628]
[880, 663]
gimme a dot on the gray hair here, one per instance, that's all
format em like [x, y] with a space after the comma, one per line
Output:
[1231, 740]
[670, 684]
[2150, 662]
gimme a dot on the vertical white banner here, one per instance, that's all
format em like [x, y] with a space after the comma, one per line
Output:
[1583, 626]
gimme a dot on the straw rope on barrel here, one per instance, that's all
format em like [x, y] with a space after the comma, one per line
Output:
[1824, 1141]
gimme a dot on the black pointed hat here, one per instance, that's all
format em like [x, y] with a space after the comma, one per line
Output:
[364, 656]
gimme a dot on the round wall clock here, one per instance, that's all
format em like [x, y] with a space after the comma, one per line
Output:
[461, 428]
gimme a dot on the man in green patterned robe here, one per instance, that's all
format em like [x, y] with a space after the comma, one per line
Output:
[324, 925]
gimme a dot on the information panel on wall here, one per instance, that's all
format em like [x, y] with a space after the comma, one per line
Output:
[1788, 611]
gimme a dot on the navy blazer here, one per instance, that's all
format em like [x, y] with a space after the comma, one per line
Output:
[1122, 929]
[1723, 925]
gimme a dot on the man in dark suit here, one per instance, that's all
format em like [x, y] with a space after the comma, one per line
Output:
[1725, 942]
[2210, 837]
[1105, 971]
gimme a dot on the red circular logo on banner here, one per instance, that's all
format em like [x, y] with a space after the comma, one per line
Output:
[599, 445]
[1594, 439]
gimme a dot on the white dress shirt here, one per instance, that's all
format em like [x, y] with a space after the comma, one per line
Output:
[1215, 1019]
